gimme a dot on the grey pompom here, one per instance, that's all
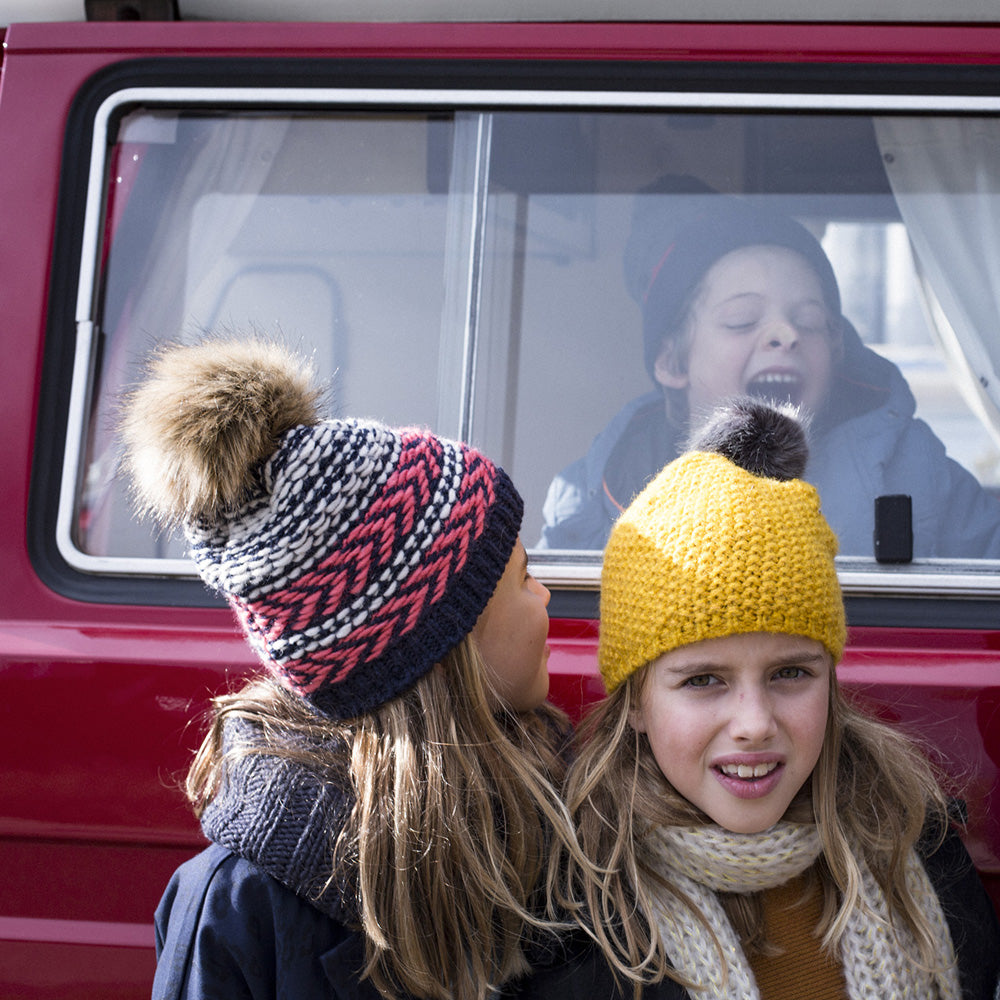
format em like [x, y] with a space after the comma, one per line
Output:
[766, 439]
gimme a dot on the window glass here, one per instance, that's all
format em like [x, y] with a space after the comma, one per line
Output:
[650, 265]
[571, 290]
[330, 232]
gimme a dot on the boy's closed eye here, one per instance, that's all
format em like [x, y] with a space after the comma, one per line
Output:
[813, 319]
[743, 313]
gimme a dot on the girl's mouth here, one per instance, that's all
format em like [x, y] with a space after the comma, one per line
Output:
[748, 770]
[750, 781]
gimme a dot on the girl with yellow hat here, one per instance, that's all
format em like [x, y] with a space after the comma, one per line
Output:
[749, 832]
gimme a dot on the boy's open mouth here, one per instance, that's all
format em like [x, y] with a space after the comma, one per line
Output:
[780, 387]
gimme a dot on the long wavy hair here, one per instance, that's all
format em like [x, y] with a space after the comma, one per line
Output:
[871, 794]
[456, 804]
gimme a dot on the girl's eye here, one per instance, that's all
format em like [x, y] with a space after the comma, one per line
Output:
[790, 673]
[700, 681]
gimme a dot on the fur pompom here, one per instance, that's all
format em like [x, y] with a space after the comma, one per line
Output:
[766, 439]
[206, 418]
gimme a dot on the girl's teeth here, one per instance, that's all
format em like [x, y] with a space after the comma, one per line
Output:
[747, 770]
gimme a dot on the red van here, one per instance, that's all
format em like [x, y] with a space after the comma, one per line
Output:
[442, 214]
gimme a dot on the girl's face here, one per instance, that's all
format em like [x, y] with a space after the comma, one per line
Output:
[737, 724]
[759, 325]
[511, 634]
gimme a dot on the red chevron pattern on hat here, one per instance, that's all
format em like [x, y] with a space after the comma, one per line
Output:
[355, 555]
[317, 623]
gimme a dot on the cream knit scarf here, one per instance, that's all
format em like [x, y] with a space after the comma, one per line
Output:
[701, 861]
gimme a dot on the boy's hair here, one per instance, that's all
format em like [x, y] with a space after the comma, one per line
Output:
[454, 805]
[872, 790]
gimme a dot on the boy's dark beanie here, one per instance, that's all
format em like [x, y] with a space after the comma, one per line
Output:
[680, 228]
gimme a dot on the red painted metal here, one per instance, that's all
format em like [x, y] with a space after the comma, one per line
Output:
[782, 42]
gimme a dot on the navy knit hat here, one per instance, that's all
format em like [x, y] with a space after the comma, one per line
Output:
[680, 228]
[354, 555]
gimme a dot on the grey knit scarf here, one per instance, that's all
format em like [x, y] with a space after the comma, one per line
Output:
[284, 818]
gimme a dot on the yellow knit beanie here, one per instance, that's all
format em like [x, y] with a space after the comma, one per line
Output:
[710, 549]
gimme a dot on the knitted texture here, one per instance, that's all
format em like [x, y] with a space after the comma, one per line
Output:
[354, 555]
[283, 817]
[707, 550]
[878, 957]
[800, 966]
[366, 555]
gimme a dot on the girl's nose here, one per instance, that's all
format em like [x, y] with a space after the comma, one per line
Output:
[753, 718]
[543, 590]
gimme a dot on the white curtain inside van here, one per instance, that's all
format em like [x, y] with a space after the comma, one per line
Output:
[945, 176]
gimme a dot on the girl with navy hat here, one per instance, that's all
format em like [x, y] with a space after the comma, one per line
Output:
[381, 798]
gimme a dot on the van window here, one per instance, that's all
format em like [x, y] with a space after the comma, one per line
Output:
[569, 289]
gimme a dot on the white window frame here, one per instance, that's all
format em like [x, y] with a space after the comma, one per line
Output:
[966, 578]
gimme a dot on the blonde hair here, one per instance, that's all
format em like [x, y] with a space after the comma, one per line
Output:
[872, 791]
[455, 805]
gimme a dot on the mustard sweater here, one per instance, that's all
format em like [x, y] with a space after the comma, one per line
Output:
[803, 969]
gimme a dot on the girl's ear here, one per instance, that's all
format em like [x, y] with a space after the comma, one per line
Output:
[668, 369]
[637, 720]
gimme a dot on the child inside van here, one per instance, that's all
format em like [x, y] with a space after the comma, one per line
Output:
[739, 300]
[751, 833]
[381, 799]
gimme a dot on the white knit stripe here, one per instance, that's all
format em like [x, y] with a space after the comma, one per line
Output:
[242, 555]
[410, 555]
[878, 959]
[693, 953]
[946, 973]
[241, 559]
[741, 862]
[882, 961]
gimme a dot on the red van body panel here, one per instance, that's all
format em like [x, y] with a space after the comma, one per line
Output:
[100, 703]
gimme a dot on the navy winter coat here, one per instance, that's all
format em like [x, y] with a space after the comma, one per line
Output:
[225, 929]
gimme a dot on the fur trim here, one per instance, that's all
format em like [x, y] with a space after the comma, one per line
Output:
[204, 421]
[764, 438]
